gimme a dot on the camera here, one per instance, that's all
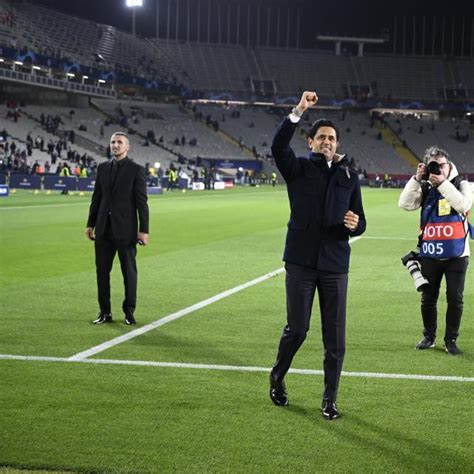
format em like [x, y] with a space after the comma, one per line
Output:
[412, 261]
[432, 168]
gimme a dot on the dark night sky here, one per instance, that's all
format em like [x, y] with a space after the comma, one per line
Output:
[352, 17]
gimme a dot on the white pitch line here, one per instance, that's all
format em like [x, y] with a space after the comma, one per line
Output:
[179, 314]
[389, 238]
[42, 206]
[172, 317]
[236, 368]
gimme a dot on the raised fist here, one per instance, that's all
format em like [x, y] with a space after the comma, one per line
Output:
[308, 99]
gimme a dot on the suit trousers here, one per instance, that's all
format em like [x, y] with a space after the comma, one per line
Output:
[105, 249]
[454, 271]
[301, 285]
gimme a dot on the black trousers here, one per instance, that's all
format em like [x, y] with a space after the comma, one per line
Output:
[105, 249]
[454, 270]
[301, 285]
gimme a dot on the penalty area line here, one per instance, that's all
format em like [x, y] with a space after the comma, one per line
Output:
[236, 368]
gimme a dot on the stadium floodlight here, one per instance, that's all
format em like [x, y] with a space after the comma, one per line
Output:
[133, 4]
[36, 68]
[19, 63]
[70, 74]
[100, 81]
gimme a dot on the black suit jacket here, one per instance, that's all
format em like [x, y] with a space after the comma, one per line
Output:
[124, 204]
[319, 198]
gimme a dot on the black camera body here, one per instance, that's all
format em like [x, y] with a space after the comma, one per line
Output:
[432, 168]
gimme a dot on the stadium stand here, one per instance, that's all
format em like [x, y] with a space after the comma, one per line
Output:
[214, 68]
[178, 131]
[452, 135]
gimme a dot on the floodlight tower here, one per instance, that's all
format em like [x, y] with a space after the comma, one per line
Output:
[133, 4]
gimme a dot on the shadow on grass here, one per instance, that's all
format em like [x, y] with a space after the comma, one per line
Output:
[399, 450]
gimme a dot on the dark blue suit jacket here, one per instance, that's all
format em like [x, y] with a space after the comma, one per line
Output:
[319, 198]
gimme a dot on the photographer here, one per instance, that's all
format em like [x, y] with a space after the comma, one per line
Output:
[445, 200]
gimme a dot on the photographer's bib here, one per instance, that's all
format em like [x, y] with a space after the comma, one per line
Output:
[443, 229]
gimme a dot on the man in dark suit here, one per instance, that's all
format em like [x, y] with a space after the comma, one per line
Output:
[119, 197]
[326, 209]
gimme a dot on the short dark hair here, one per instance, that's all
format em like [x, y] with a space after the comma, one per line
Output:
[122, 134]
[322, 123]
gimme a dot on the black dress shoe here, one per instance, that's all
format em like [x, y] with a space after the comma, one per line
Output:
[452, 348]
[278, 392]
[103, 318]
[130, 319]
[329, 410]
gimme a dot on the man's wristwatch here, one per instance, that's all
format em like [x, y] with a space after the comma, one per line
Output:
[296, 112]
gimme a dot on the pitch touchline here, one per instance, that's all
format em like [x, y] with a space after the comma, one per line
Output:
[179, 314]
[235, 368]
[41, 206]
[172, 317]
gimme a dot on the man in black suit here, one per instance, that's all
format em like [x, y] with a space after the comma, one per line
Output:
[119, 197]
[326, 209]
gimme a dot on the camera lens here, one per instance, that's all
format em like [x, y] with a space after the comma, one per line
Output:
[433, 167]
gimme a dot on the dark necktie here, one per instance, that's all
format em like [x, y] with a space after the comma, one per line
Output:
[113, 174]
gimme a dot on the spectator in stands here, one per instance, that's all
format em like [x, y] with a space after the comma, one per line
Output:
[445, 200]
[119, 197]
[150, 134]
[326, 209]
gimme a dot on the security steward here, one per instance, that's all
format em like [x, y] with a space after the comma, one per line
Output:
[274, 179]
[326, 209]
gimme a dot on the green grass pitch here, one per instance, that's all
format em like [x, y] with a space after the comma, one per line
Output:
[85, 417]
